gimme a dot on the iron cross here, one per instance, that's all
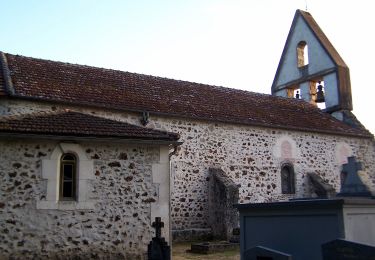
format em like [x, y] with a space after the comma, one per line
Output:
[158, 224]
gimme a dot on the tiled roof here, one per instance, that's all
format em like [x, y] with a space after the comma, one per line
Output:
[2, 81]
[2, 85]
[76, 84]
[74, 124]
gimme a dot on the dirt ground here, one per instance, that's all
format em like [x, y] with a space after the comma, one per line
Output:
[179, 253]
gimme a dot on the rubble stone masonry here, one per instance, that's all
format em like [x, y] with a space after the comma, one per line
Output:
[251, 156]
[117, 227]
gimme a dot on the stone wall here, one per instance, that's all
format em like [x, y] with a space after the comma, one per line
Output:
[223, 195]
[118, 227]
[251, 156]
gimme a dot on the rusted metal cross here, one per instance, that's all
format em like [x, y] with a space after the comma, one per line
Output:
[158, 224]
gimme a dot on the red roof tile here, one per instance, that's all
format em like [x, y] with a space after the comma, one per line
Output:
[2, 81]
[2, 86]
[74, 124]
[76, 84]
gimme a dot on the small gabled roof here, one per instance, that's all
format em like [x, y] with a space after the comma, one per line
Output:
[72, 124]
[72, 84]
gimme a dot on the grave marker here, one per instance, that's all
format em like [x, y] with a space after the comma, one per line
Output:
[353, 185]
[264, 253]
[340, 249]
[158, 248]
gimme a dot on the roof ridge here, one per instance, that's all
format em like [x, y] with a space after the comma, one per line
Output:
[61, 112]
[37, 114]
[74, 124]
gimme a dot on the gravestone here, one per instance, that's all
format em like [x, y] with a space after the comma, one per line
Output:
[353, 185]
[264, 253]
[301, 226]
[158, 248]
[340, 249]
[212, 247]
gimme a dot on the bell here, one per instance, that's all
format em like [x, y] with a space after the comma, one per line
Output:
[297, 94]
[320, 94]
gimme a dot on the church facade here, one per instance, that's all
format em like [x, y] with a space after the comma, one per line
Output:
[90, 156]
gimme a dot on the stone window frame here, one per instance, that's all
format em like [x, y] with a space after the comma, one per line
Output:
[51, 173]
[292, 178]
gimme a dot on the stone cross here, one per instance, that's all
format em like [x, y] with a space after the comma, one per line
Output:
[352, 166]
[353, 185]
[158, 224]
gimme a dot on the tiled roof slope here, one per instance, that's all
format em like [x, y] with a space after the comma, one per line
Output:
[2, 81]
[74, 124]
[76, 84]
[2, 84]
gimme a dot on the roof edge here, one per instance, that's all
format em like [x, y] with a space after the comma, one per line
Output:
[6, 74]
[322, 38]
[284, 51]
[280, 127]
[86, 138]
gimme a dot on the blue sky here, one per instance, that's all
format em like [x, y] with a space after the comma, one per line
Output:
[232, 43]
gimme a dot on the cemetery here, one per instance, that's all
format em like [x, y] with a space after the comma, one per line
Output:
[342, 227]
[104, 164]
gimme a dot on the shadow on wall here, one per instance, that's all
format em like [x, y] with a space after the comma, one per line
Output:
[223, 194]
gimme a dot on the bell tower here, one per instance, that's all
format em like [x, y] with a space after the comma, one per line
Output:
[310, 68]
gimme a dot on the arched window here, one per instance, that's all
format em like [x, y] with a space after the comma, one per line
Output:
[68, 176]
[302, 54]
[287, 179]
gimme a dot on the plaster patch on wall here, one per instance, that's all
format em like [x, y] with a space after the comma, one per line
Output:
[285, 148]
[342, 152]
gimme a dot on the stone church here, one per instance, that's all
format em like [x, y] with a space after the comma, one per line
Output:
[90, 156]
